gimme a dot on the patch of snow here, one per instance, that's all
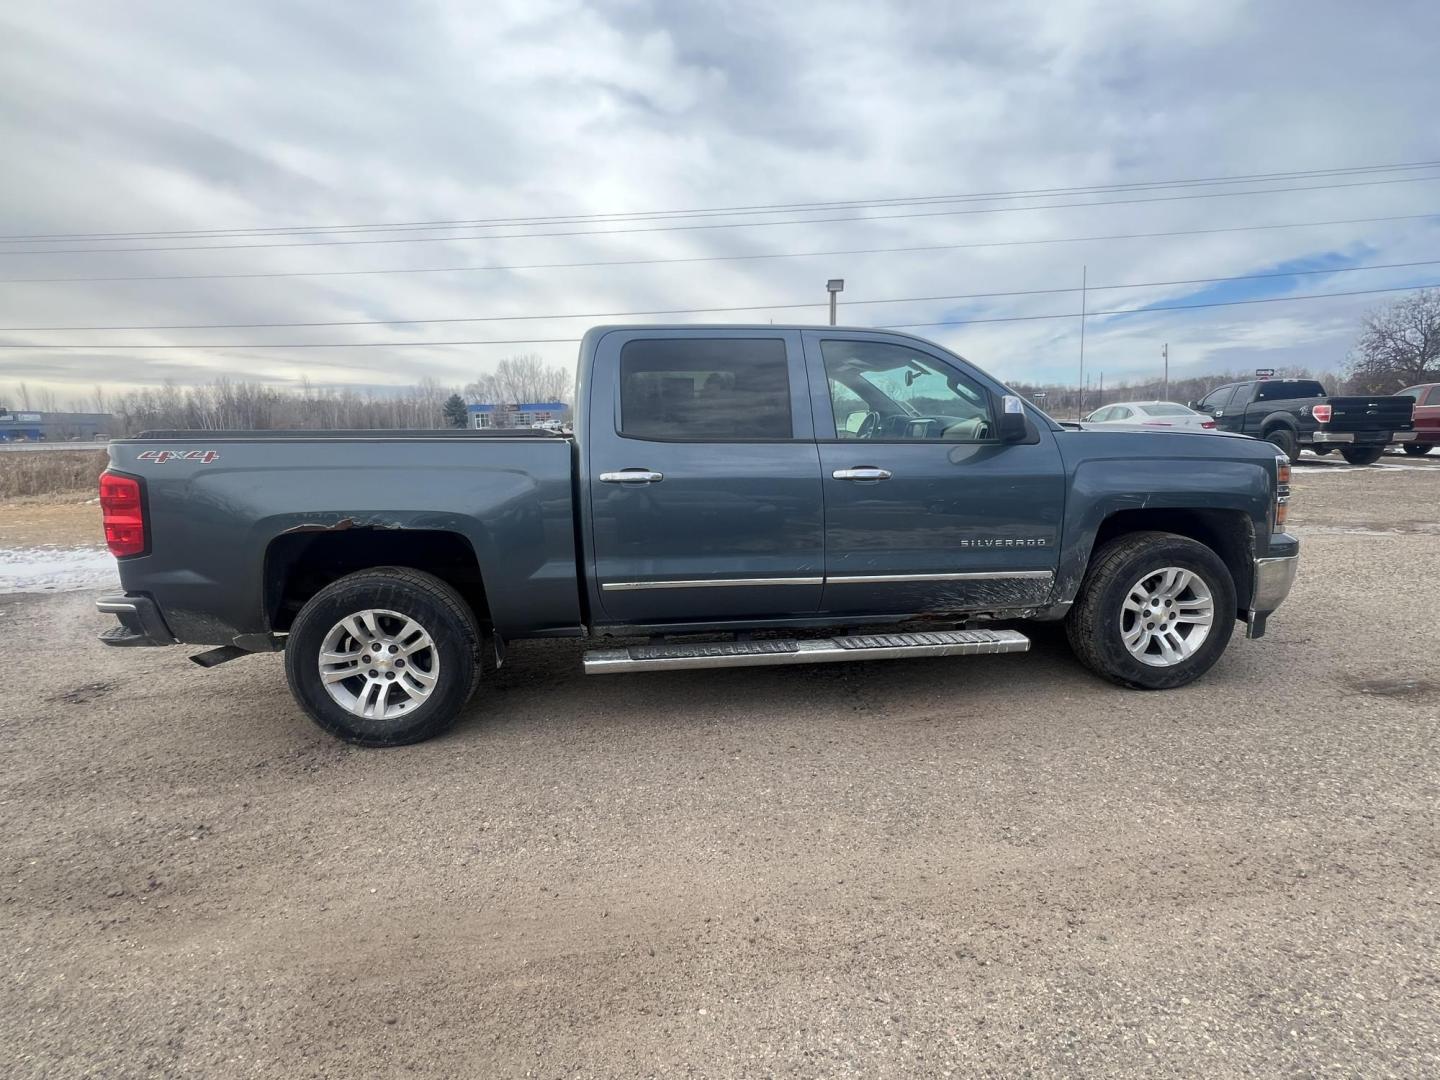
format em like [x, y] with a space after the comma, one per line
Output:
[56, 569]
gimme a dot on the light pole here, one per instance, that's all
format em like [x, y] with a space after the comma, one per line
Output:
[834, 286]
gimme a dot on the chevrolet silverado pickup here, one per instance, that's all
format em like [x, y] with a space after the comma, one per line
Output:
[730, 496]
[1297, 414]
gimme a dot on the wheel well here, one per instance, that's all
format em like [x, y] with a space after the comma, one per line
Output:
[298, 565]
[1228, 533]
[1278, 420]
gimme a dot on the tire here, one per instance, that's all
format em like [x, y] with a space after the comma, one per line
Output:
[387, 704]
[1361, 455]
[1098, 621]
[1287, 442]
[1418, 449]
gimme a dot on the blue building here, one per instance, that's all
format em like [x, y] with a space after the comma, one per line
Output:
[23, 425]
[528, 415]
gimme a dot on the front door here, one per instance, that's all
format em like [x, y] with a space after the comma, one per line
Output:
[703, 478]
[925, 510]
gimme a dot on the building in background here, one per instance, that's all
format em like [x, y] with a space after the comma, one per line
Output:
[25, 425]
[532, 414]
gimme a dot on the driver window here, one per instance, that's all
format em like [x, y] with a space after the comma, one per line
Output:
[884, 391]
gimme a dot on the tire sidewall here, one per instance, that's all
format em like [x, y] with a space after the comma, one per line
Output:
[1367, 455]
[328, 607]
[1286, 440]
[1187, 555]
[1418, 449]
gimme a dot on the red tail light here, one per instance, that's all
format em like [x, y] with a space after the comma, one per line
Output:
[1321, 413]
[1207, 424]
[123, 512]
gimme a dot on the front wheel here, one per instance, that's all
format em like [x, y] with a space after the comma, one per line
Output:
[1155, 611]
[1418, 449]
[384, 657]
[1361, 455]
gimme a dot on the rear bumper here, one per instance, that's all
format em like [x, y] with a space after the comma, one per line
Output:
[141, 623]
[1371, 438]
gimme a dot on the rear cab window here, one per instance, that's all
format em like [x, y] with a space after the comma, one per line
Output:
[1289, 389]
[705, 389]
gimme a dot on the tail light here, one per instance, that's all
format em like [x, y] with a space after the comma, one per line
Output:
[1208, 425]
[122, 509]
[1282, 490]
[1322, 413]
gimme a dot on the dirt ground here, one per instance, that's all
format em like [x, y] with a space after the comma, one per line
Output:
[59, 520]
[995, 866]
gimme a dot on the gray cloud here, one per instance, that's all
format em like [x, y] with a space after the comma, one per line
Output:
[176, 116]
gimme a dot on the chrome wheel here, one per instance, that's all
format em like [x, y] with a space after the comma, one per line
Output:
[1166, 616]
[379, 664]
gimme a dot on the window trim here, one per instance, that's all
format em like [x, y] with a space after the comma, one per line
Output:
[686, 440]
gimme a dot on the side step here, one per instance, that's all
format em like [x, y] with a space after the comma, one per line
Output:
[712, 654]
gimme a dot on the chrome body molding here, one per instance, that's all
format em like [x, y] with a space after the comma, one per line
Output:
[1273, 578]
[708, 583]
[843, 579]
[1002, 575]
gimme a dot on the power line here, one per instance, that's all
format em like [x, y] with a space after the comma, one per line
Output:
[722, 225]
[718, 258]
[887, 326]
[721, 310]
[770, 208]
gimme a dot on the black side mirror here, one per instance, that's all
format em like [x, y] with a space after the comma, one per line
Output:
[1012, 425]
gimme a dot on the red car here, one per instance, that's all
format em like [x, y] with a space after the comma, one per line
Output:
[1427, 417]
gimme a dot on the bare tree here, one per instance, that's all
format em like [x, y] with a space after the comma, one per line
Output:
[519, 379]
[1399, 344]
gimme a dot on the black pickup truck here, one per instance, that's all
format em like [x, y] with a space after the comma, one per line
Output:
[1297, 414]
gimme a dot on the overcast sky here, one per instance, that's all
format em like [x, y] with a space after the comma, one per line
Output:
[124, 117]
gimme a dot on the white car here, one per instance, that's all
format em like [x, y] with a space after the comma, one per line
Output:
[1151, 414]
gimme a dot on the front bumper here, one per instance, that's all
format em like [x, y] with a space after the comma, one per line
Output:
[141, 623]
[1274, 575]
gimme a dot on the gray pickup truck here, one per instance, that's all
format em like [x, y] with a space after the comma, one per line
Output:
[732, 495]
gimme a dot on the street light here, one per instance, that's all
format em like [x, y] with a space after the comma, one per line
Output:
[833, 286]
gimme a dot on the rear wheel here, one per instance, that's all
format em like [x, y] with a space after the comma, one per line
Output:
[1155, 611]
[384, 657]
[1286, 441]
[1418, 449]
[1361, 455]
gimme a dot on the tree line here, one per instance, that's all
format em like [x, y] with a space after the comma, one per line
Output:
[1398, 345]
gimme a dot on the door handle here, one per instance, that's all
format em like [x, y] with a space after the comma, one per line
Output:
[862, 473]
[632, 476]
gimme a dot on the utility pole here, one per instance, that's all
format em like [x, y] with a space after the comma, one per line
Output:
[1100, 393]
[1080, 411]
[834, 287]
[1165, 352]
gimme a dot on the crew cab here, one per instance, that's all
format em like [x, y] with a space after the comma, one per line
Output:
[730, 496]
[1297, 414]
[1427, 417]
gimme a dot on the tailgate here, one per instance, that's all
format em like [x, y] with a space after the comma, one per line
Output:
[1370, 413]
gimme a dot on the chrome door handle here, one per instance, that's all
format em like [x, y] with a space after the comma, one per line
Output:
[861, 472]
[632, 476]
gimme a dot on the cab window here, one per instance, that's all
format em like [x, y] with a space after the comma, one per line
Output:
[702, 389]
[889, 392]
[1218, 399]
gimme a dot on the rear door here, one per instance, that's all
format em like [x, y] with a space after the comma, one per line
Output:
[925, 511]
[703, 477]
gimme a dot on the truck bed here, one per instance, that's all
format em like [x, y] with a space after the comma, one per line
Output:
[231, 515]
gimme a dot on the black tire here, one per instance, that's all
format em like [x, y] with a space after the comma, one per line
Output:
[1361, 455]
[1094, 623]
[1418, 449]
[1286, 440]
[434, 606]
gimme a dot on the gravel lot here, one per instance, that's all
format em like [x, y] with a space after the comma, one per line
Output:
[973, 867]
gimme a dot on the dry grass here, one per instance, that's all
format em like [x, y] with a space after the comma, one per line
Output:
[49, 472]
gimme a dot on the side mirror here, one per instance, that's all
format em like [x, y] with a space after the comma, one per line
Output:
[1191, 405]
[1012, 426]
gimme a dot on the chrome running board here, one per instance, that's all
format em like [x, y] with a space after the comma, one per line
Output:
[669, 656]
